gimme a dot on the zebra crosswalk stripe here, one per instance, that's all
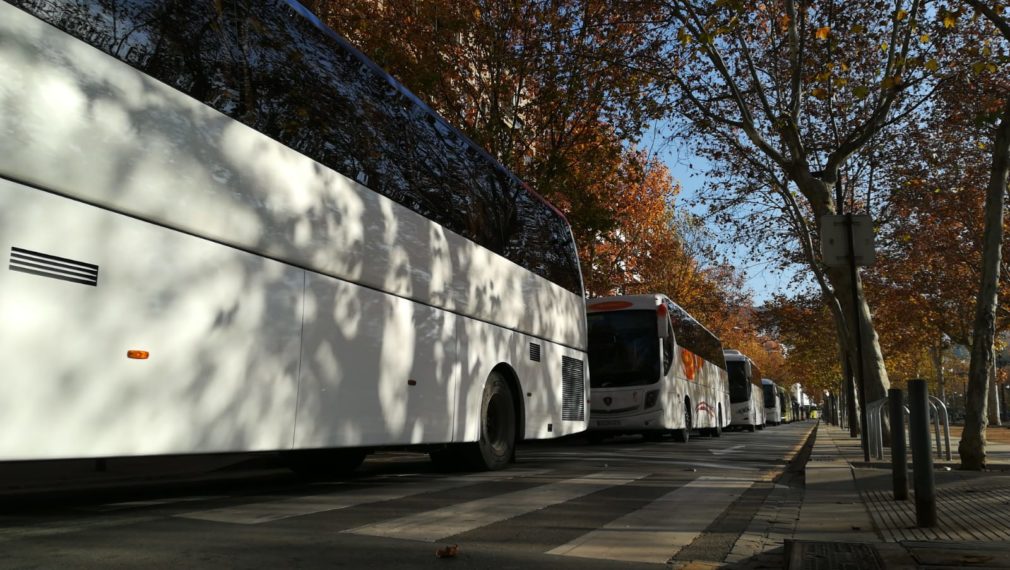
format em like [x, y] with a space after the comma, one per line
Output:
[267, 511]
[656, 532]
[435, 525]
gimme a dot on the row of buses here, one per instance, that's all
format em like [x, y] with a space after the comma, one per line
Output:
[225, 237]
[654, 369]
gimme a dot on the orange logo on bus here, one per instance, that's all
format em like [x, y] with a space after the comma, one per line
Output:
[692, 363]
[688, 359]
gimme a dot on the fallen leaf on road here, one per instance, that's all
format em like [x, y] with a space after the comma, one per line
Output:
[447, 552]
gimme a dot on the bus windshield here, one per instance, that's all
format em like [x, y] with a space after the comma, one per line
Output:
[769, 390]
[623, 349]
[739, 387]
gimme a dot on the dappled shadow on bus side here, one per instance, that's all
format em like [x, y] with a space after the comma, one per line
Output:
[282, 304]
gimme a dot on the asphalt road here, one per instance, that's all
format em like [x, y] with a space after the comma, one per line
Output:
[625, 503]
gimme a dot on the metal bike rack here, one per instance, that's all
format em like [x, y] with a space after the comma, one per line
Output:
[875, 436]
[938, 405]
[875, 429]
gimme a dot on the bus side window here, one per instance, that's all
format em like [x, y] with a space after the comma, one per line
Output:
[668, 349]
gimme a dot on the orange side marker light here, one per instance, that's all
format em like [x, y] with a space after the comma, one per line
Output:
[138, 354]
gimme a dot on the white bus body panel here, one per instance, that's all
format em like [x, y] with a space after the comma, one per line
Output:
[757, 404]
[361, 349]
[222, 328]
[751, 412]
[256, 277]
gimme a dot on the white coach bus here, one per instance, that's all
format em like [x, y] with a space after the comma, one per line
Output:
[746, 398]
[226, 230]
[653, 369]
[772, 402]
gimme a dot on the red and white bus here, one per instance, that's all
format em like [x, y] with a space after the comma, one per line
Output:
[653, 369]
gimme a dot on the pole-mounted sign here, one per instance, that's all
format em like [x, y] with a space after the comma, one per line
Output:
[835, 240]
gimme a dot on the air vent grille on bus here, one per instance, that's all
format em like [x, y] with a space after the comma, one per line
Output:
[45, 265]
[534, 352]
[573, 398]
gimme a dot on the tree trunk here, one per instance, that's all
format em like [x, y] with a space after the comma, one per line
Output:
[972, 446]
[993, 394]
[936, 353]
[874, 372]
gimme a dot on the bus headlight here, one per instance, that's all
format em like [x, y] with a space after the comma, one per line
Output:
[651, 398]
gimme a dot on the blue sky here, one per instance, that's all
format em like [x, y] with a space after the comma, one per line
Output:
[761, 281]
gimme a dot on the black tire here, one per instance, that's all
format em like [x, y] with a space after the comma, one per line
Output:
[751, 428]
[323, 464]
[684, 435]
[497, 441]
[717, 430]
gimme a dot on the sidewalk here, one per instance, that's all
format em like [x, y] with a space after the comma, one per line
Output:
[849, 519]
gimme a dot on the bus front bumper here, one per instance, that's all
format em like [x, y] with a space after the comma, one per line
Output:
[634, 422]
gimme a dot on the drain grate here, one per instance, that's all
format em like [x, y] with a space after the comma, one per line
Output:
[810, 555]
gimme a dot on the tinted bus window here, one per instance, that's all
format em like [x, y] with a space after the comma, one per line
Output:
[268, 64]
[623, 349]
[739, 387]
[696, 338]
[769, 393]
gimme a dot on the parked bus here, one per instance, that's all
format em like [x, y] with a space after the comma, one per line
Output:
[772, 402]
[802, 404]
[653, 370]
[229, 231]
[745, 395]
[785, 404]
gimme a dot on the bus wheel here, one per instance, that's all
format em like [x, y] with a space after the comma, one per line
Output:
[322, 464]
[684, 435]
[751, 428]
[717, 430]
[497, 441]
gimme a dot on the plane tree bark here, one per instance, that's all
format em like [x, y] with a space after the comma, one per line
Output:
[973, 442]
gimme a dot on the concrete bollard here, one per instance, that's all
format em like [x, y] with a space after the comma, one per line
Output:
[899, 459]
[922, 455]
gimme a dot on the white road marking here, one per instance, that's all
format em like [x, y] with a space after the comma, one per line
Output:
[732, 449]
[656, 532]
[267, 511]
[68, 527]
[638, 458]
[435, 525]
[109, 507]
